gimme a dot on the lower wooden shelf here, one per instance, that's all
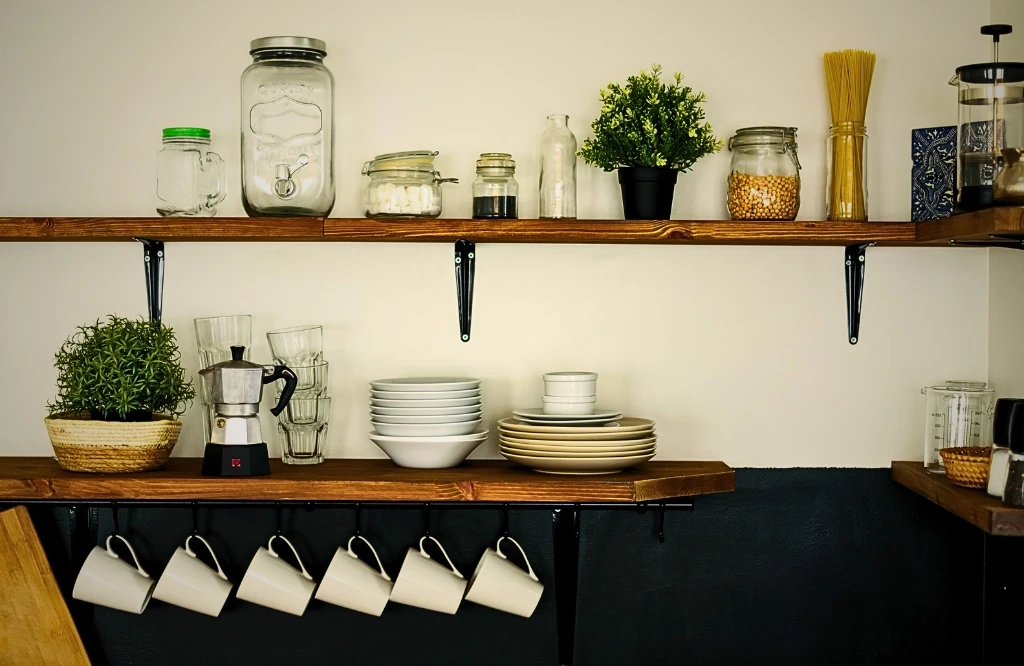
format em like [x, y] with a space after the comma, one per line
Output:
[374, 480]
[975, 506]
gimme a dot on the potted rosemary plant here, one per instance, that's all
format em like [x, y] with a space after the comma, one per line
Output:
[120, 385]
[649, 131]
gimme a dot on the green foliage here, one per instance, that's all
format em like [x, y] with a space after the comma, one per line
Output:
[121, 368]
[647, 123]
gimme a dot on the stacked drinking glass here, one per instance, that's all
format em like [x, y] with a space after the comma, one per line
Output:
[303, 423]
[215, 336]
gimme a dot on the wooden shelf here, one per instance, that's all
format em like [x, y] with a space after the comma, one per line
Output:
[1006, 223]
[975, 506]
[986, 225]
[735, 232]
[365, 480]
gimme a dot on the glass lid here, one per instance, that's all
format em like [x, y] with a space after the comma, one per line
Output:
[409, 160]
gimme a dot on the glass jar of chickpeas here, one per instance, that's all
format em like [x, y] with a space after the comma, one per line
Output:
[764, 177]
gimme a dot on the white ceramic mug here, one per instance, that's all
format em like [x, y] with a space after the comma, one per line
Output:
[502, 585]
[107, 580]
[270, 581]
[354, 584]
[428, 584]
[189, 583]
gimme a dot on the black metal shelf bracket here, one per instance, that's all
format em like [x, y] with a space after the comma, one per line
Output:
[1007, 243]
[153, 257]
[465, 270]
[854, 265]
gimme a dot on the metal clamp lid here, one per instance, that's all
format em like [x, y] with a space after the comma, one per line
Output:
[288, 43]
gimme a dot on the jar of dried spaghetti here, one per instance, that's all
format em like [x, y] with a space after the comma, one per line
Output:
[764, 177]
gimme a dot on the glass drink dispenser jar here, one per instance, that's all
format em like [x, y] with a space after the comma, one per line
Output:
[991, 118]
[287, 128]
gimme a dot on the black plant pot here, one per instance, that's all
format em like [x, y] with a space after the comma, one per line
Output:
[647, 192]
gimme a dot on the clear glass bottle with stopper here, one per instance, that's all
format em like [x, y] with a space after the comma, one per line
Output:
[558, 170]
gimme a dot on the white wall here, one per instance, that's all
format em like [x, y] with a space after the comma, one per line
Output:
[740, 354]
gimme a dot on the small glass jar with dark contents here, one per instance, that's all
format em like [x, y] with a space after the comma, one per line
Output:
[495, 190]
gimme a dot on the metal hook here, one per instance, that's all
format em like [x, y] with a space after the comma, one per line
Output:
[426, 519]
[358, 518]
[661, 523]
[277, 507]
[113, 509]
[504, 519]
[195, 517]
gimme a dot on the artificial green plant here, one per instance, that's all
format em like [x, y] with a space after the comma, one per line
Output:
[121, 370]
[647, 123]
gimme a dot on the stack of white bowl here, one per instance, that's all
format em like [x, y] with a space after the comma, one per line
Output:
[570, 393]
[426, 422]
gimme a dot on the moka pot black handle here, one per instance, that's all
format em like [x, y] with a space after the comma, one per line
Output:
[291, 380]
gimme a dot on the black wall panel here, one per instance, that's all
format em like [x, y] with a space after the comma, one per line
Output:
[798, 566]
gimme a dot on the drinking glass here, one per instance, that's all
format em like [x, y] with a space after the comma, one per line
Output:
[297, 346]
[312, 380]
[214, 337]
[303, 425]
[217, 335]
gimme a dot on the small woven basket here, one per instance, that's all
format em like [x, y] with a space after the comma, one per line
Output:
[84, 445]
[967, 466]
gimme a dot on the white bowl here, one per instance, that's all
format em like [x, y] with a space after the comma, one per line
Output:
[449, 418]
[426, 429]
[429, 452]
[424, 411]
[574, 406]
[420, 404]
[424, 395]
[570, 384]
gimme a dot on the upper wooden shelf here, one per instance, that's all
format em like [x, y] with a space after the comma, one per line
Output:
[975, 506]
[988, 225]
[444, 230]
[367, 480]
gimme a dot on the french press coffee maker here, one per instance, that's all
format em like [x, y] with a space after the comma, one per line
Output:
[236, 446]
[990, 119]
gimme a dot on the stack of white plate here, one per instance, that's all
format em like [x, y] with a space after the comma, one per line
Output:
[426, 422]
[562, 447]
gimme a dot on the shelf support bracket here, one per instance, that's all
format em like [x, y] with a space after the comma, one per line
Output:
[465, 270]
[1008, 243]
[153, 258]
[854, 265]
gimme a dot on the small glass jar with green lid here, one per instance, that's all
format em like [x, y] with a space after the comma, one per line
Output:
[190, 179]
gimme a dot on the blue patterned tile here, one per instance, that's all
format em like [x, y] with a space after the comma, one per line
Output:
[933, 153]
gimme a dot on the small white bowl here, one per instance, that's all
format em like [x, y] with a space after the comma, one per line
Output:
[582, 384]
[575, 406]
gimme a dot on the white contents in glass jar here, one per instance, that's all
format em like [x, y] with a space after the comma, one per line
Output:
[391, 199]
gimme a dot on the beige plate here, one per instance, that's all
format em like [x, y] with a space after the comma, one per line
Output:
[608, 437]
[571, 466]
[625, 424]
[595, 447]
[575, 455]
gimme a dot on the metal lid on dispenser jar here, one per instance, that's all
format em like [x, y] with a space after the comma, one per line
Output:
[285, 43]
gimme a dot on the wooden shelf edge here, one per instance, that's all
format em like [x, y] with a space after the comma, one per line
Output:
[983, 225]
[378, 480]
[975, 506]
[710, 232]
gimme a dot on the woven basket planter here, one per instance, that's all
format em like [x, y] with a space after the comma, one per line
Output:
[967, 466]
[84, 445]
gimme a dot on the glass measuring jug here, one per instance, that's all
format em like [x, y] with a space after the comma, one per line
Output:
[957, 414]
